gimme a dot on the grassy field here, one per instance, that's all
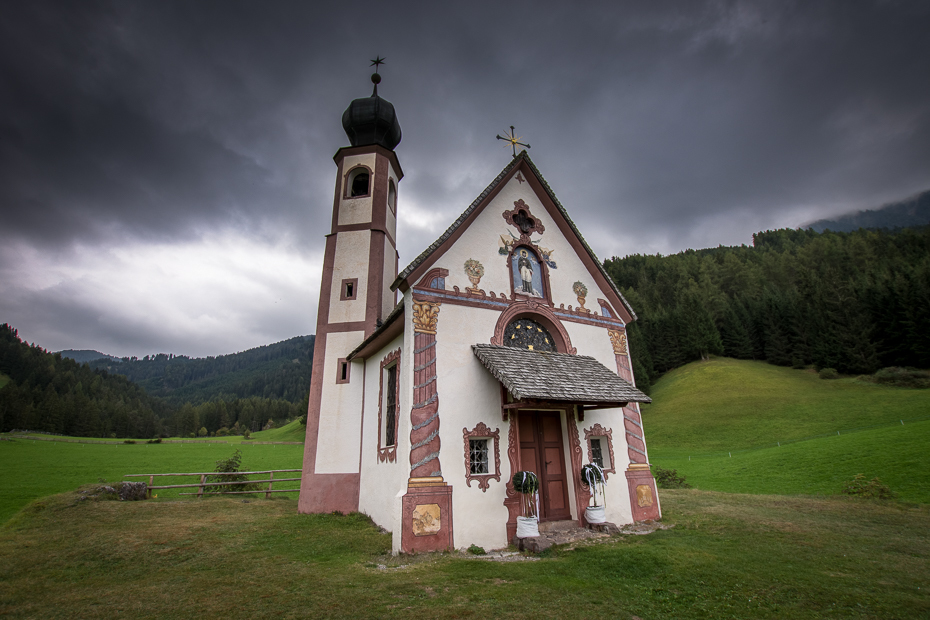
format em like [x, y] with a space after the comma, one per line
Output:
[707, 411]
[727, 556]
[726, 404]
[34, 469]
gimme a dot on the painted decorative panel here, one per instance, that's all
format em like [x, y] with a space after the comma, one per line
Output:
[527, 273]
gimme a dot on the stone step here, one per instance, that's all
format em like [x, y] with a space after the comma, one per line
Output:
[558, 526]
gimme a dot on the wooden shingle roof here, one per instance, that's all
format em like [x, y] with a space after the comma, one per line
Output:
[546, 375]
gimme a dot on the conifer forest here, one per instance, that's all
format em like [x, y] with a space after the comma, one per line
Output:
[855, 302]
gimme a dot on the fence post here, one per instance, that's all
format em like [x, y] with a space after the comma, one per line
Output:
[270, 482]
[149, 490]
[203, 479]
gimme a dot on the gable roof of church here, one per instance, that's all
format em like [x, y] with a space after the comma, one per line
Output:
[419, 264]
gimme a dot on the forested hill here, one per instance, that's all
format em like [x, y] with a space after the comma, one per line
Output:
[913, 211]
[277, 371]
[853, 301]
[58, 395]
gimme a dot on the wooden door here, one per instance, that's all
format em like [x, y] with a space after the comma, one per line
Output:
[542, 452]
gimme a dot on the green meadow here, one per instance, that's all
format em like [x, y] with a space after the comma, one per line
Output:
[35, 468]
[724, 556]
[749, 427]
[765, 533]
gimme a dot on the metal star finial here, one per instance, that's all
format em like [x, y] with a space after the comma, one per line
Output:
[513, 140]
[377, 62]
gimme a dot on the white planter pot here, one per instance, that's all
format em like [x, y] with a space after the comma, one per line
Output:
[527, 527]
[594, 514]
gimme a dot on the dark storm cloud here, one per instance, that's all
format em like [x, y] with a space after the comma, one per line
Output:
[660, 125]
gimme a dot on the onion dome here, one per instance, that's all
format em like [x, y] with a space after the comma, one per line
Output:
[372, 120]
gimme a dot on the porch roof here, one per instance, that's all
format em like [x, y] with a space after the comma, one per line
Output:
[556, 376]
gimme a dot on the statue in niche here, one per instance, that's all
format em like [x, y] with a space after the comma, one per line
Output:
[527, 274]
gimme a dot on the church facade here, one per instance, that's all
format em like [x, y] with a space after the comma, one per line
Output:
[501, 348]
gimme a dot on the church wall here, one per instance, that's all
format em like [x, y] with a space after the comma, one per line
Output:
[355, 210]
[468, 394]
[382, 480]
[595, 342]
[341, 408]
[351, 261]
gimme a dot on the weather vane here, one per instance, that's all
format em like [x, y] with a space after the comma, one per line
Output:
[376, 77]
[513, 140]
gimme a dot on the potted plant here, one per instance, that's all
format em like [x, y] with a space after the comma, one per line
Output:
[527, 484]
[593, 476]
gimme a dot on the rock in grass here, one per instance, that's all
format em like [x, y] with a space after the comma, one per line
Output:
[132, 491]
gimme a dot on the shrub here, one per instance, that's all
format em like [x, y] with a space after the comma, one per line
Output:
[246, 434]
[129, 441]
[203, 431]
[903, 377]
[303, 419]
[229, 466]
[222, 432]
[669, 478]
[829, 373]
[873, 489]
[476, 550]
[156, 440]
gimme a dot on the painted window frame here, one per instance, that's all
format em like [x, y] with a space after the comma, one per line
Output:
[481, 431]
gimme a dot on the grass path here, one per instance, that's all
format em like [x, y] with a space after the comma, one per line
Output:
[727, 556]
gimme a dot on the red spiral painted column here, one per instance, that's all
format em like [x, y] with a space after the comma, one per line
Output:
[644, 499]
[427, 505]
[424, 416]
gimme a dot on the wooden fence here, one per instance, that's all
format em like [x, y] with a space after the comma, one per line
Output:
[204, 483]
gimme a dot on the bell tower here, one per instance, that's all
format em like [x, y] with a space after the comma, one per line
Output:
[359, 265]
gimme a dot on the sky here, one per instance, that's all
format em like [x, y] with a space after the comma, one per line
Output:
[166, 172]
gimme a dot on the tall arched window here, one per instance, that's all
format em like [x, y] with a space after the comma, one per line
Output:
[392, 196]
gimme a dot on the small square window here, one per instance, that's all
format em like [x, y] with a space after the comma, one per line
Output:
[349, 289]
[342, 370]
[478, 456]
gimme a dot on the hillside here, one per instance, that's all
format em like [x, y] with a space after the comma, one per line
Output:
[51, 393]
[86, 355]
[278, 371]
[742, 426]
[913, 211]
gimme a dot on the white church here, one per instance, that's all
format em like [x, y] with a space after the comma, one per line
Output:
[501, 348]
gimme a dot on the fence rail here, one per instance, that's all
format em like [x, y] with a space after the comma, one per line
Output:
[212, 483]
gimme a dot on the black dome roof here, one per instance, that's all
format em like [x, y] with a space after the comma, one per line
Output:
[372, 120]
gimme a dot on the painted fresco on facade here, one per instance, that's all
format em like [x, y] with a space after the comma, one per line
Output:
[506, 243]
[527, 273]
